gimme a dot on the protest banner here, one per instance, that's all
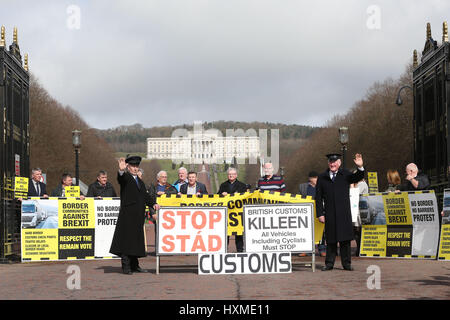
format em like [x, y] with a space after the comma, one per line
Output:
[235, 204]
[192, 230]
[245, 263]
[372, 182]
[444, 243]
[20, 187]
[72, 191]
[279, 227]
[403, 225]
[67, 228]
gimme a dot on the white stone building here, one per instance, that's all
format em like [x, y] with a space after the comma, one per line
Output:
[205, 147]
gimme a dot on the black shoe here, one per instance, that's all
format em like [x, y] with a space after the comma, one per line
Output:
[139, 270]
[327, 268]
[348, 268]
[127, 271]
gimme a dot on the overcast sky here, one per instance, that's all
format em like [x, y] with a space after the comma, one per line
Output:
[167, 62]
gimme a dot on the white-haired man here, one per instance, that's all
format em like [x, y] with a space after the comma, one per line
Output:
[414, 179]
[182, 178]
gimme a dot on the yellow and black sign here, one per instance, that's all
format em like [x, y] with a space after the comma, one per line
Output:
[20, 187]
[444, 247]
[63, 228]
[76, 214]
[72, 192]
[372, 179]
[399, 225]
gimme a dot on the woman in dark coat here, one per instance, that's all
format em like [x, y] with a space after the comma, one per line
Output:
[333, 191]
[128, 239]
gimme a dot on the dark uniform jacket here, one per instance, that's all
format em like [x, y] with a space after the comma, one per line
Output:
[32, 192]
[128, 236]
[333, 202]
[234, 187]
[97, 190]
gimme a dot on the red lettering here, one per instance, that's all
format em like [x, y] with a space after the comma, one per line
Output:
[183, 215]
[214, 216]
[183, 241]
[168, 240]
[203, 220]
[167, 217]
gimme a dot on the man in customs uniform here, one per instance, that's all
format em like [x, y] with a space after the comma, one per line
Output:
[333, 208]
[128, 239]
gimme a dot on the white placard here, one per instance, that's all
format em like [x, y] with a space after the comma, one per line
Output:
[192, 230]
[245, 263]
[106, 215]
[279, 228]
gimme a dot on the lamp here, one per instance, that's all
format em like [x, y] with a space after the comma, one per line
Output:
[76, 142]
[343, 139]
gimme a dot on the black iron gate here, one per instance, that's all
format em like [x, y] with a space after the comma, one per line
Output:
[15, 140]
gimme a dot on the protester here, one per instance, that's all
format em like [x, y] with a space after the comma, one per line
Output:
[193, 187]
[161, 186]
[182, 178]
[393, 179]
[36, 188]
[333, 208]
[363, 188]
[233, 185]
[414, 180]
[309, 189]
[101, 188]
[128, 239]
[269, 181]
[66, 181]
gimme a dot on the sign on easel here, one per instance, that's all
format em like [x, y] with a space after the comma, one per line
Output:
[192, 230]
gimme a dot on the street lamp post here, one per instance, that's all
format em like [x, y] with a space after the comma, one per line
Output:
[399, 100]
[76, 141]
[343, 139]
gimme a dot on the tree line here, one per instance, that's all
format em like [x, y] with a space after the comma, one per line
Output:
[51, 149]
[378, 129]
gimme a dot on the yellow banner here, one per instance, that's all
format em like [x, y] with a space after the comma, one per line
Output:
[20, 187]
[72, 192]
[39, 243]
[397, 209]
[373, 241]
[444, 247]
[372, 179]
[76, 214]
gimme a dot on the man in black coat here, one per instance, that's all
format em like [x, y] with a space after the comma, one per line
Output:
[128, 239]
[333, 191]
[101, 188]
[36, 188]
[233, 185]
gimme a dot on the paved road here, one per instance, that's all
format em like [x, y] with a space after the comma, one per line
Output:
[102, 279]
